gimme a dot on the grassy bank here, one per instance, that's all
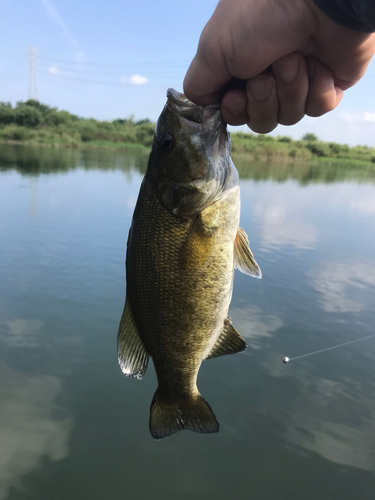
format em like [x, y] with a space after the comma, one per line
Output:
[32, 123]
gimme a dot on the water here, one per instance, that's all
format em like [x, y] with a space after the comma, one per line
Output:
[73, 427]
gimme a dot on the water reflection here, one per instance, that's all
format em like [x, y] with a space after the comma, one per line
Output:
[338, 281]
[30, 430]
[21, 332]
[254, 325]
[282, 224]
[28, 160]
[332, 436]
[62, 251]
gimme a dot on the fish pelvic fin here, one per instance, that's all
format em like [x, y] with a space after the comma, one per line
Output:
[132, 354]
[243, 257]
[229, 341]
[168, 418]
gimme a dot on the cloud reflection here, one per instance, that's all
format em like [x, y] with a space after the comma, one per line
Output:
[282, 225]
[29, 430]
[335, 281]
[254, 325]
[21, 332]
[330, 435]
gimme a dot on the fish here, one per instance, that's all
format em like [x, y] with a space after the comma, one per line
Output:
[183, 246]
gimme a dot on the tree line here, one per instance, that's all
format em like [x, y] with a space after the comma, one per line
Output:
[32, 122]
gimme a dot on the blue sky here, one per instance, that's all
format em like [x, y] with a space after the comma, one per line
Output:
[110, 59]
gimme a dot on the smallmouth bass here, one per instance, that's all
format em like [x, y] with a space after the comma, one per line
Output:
[183, 246]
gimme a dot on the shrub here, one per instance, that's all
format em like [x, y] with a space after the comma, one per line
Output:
[265, 138]
[309, 137]
[284, 138]
[28, 116]
[145, 133]
[15, 133]
[43, 108]
[318, 148]
[55, 118]
[6, 113]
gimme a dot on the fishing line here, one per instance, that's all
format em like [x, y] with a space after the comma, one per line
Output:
[286, 359]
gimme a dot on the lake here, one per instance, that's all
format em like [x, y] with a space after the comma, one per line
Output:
[73, 427]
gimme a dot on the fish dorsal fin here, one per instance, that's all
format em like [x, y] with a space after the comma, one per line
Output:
[132, 354]
[229, 342]
[198, 244]
[243, 257]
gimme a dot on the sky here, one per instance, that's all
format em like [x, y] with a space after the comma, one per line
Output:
[113, 59]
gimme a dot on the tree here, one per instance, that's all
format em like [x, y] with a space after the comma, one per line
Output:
[28, 116]
[55, 118]
[309, 137]
[6, 113]
[43, 108]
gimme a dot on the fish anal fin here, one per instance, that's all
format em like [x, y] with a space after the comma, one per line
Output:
[243, 257]
[168, 418]
[229, 342]
[132, 355]
[198, 244]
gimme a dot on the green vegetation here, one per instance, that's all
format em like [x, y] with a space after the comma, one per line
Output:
[33, 123]
[285, 149]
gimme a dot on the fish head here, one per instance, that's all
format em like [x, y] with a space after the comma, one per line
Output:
[190, 160]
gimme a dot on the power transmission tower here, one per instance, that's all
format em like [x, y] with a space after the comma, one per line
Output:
[33, 84]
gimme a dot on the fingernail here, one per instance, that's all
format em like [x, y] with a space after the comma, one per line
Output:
[237, 107]
[260, 87]
[287, 68]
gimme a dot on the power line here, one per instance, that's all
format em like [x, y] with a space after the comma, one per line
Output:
[98, 82]
[120, 64]
[105, 72]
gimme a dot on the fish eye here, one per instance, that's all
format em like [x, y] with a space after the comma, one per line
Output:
[166, 142]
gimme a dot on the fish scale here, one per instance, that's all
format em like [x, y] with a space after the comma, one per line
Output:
[183, 246]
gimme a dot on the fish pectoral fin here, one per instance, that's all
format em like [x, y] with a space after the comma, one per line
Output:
[229, 342]
[243, 257]
[198, 244]
[131, 352]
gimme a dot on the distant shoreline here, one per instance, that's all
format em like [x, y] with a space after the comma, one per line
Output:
[32, 123]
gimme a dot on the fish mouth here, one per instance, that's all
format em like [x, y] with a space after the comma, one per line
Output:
[182, 100]
[179, 103]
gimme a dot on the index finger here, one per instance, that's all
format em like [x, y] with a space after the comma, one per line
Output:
[207, 75]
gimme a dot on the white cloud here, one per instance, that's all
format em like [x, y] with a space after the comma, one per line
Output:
[365, 116]
[55, 71]
[29, 432]
[134, 80]
[334, 281]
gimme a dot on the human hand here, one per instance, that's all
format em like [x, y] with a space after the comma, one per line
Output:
[273, 61]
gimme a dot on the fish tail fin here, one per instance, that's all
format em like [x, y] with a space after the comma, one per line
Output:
[168, 418]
